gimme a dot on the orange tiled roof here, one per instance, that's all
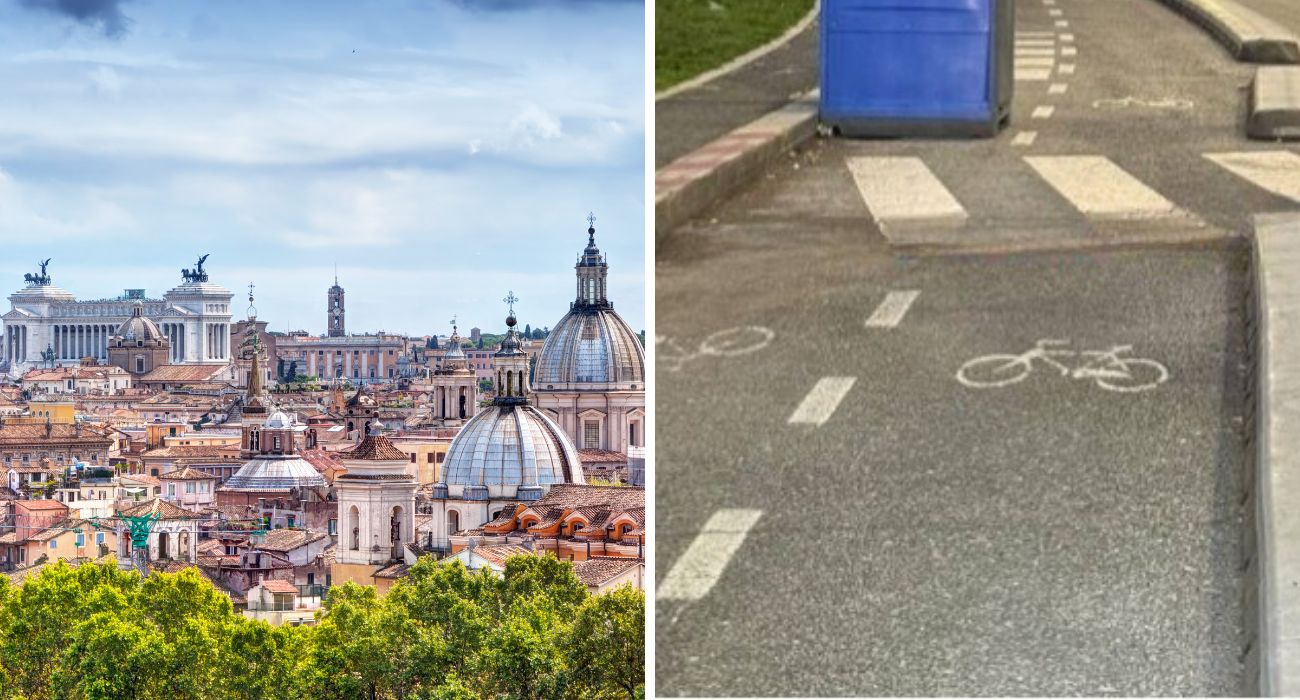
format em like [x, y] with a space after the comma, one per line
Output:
[187, 474]
[375, 447]
[278, 586]
[183, 373]
[598, 570]
[165, 510]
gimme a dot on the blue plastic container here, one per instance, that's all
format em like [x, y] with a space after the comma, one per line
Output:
[916, 67]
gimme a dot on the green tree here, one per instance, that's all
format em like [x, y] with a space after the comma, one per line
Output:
[606, 647]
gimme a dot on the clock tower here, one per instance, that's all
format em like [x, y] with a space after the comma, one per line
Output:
[334, 314]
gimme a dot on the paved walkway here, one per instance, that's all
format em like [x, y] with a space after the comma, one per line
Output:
[691, 119]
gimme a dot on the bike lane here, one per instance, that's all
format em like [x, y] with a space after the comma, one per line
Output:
[1047, 537]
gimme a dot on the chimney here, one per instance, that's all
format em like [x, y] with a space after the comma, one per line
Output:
[49, 427]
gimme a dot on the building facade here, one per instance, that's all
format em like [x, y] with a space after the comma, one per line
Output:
[48, 326]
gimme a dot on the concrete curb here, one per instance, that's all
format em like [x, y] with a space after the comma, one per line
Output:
[692, 183]
[1248, 35]
[1273, 112]
[1276, 477]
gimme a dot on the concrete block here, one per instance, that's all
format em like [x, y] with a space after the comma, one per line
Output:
[1274, 108]
[1248, 35]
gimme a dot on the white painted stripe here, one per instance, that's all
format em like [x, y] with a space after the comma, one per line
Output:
[1098, 187]
[1035, 62]
[700, 567]
[1067, 38]
[1057, 88]
[1054, 13]
[1035, 43]
[1276, 171]
[1035, 34]
[1062, 23]
[1028, 74]
[892, 310]
[820, 403]
[1065, 69]
[1069, 51]
[1034, 52]
[900, 189]
[1043, 112]
[1024, 138]
[1049, 3]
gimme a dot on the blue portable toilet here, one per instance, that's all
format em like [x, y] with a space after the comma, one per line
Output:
[916, 67]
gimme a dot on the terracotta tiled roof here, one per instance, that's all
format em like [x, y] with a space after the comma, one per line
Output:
[193, 451]
[616, 498]
[284, 539]
[183, 373]
[165, 510]
[393, 571]
[211, 547]
[187, 474]
[24, 433]
[499, 553]
[278, 586]
[599, 456]
[598, 570]
[43, 504]
[377, 448]
[140, 479]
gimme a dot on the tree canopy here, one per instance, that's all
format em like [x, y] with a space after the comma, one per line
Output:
[444, 632]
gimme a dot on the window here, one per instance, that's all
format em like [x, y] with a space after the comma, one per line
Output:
[189, 487]
[441, 457]
[334, 526]
[54, 544]
[412, 458]
[139, 364]
[429, 458]
[631, 434]
[203, 487]
[288, 521]
[171, 489]
[591, 435]
[81, 540]
[99, 538]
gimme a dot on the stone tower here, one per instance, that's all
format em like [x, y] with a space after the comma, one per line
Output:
[334, 315]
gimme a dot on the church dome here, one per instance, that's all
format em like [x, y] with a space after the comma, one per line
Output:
[273, 472]
[592, 344]
[508, 451]
[279, 419]
[138, 327]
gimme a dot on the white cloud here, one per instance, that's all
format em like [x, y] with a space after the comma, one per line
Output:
[106, 81]
[28, 211]
[532, 125]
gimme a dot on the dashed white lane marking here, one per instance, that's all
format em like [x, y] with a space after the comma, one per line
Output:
[700, 567]
[1057, 88]
[1096, 186]
[820, 403]
[1042, 112]
[1065, 69]
[1024, 138]
[1062, 23]
[1276, 171]
[1067, 38]
[1069, 51]
[901, 190]
[1035, 62]
[1031, 74]
[1054, 13]
[892, 310]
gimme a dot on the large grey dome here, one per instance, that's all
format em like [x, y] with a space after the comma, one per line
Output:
[138, 327]
[506, 447]
[590, 346]
[274, 473]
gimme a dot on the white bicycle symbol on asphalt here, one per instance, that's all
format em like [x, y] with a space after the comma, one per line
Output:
[731, 342]
[1106, 367]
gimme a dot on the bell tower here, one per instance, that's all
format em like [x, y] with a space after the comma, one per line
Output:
[592, 273]
[335, 311]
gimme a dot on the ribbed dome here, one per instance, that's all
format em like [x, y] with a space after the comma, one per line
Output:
[506, 447]
[138, 327]
[590, 346]
[274, 473]
[279, 419]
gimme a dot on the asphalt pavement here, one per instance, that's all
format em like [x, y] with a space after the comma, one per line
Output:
[914, 534]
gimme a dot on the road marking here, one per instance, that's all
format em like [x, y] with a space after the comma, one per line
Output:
[1035, 62]
[1049, 3]
[1024, 138]
[902, 189]
[1031, 35]
[1067, 38]
[1033, 74]
[820, 403]
[1057, 88]
[1065, 69]
[1029, 52]
[1062, 23]
[1054, 13]
[892, 310]
[1276, 171]
[1069, 51]
[1043, 112]
[700, 567]
[1098, 187]
[1035, 43]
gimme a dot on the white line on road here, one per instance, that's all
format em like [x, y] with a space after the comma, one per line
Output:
[1057, 88]
[1276, 171]
[1043, 112]
[1034, 51]
[1032, 35]
[1065, 69]
[1024, 138]
[1069, 51]
[1054, 13]
[1062, 23]
[1098, 187]
[693, 575]
[902, 190]
[1067, 38]
[1034, 62]
[820, 403]
[1035, 43]
[1033, 74]
[892, 310]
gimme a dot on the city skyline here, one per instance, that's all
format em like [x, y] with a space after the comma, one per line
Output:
[441, 153]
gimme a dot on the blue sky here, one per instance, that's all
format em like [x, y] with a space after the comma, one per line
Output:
[441, 152]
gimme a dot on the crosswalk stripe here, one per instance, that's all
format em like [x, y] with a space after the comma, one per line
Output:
[1033, 35]
[820, 403]
[1276, 171]
[1033, 74]
[1054, 13]
[1042, 112]
[1069, 51]
[1062, 23]
[901, 189]
[1024, 138]
[1057, 88]
[1035, 62]
[1065, 69]
[1035, 43]
[1067, 38]
[1034, 52]
[891, 311]
[1098, 187]
[700, 567]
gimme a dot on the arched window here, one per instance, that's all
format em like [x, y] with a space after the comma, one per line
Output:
[453, 522]
[354, 519]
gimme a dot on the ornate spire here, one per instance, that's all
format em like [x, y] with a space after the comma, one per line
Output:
[592, 271]
[511, 364]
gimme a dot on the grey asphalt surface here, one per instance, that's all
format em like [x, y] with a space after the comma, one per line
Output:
[692, 118]
[1047, 538]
